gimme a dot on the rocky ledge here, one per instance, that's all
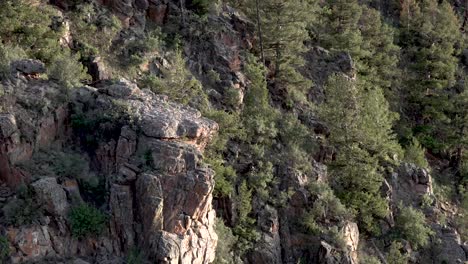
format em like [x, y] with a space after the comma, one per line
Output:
[149, 151]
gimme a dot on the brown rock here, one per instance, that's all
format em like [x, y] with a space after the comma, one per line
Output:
[150, 207]
[32, 243]
[157, 13]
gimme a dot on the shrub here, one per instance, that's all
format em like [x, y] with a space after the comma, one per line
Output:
[29, 26]
[426, 201]
[7, 55]
[67, 71]
[178, 84]
[200, 7]
[367, 259]
[414, 153]
[394, 254]
[86, 220]
[134, 52]
[310, 224]
[245, 226]
[411, 225]
[70, 165]
[226, 243]
[94, 28]
[326, 205]
[4, 248]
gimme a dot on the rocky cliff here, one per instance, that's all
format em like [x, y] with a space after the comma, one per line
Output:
[137, 157]
[148, 151]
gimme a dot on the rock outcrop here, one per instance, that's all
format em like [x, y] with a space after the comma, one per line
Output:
[149, 151]
[410, 183]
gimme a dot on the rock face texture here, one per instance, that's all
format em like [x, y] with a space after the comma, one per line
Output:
[149, 151]
[410, 183]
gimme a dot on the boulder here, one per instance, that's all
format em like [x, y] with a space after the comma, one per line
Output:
[350, 234]
[98, 70]
[409, 183]
[7, 125]
[31, 243]
[28, 66]
[52, 195]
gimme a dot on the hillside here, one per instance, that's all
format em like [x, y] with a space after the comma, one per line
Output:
[198, 131]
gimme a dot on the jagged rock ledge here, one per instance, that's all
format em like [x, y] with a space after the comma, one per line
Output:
[148, 148]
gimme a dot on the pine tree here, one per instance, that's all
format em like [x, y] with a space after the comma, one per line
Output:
[338, 26]
[360, 130]
[430, 37]
[281, 26]
[379, 61]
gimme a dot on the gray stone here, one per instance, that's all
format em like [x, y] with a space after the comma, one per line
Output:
[121, 206]
[150, 206]
[52, 195]
[7, 125]
[28, 66]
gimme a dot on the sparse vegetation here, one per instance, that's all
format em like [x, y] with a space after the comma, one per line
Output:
[4, 249]
[67, 71]
[414, 153]
[411, 225]
[226, 243]
[85, 220]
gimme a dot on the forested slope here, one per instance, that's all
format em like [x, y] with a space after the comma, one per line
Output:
[197, 131]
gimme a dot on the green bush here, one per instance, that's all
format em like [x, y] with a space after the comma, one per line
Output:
[226, 243]
[245, 226]
[131, 54]
[178, 83]
[414, 153]
[86, 220]
[67, 71]
[4, 248]
[411, 225]
[7, 55]
[200, 7]
[367, 259]
[94, 28]
[327, 207]
[395, 256]
[70, 165]
[30, 27]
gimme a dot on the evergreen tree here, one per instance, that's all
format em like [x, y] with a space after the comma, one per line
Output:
[360, 130]
[379, 61]
[338, 26]
[430, 37]
[281, 26]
